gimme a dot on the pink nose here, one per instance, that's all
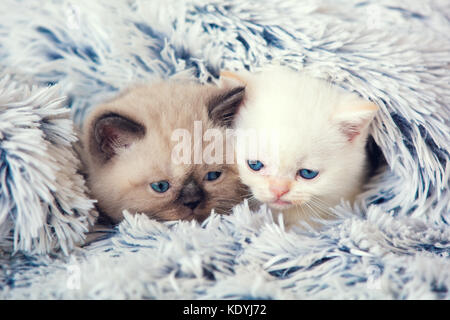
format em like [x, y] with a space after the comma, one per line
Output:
[279, 188]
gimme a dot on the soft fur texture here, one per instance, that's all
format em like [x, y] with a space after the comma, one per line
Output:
[301, 123]
[137, 149]
[394, 245]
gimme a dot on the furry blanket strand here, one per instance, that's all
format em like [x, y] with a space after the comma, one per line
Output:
[43, 203]
[394, 243]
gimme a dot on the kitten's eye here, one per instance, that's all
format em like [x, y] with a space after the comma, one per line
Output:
[213, 175]
[160, 186]
[255, 165]
[307, 174]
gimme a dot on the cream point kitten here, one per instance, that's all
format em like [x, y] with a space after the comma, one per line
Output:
[311, 148]
[127, 152]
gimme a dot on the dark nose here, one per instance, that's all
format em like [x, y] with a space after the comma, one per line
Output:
[192, 205]
[191, 195]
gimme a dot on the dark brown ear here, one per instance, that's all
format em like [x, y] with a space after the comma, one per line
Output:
[112, 132]
[223, 108]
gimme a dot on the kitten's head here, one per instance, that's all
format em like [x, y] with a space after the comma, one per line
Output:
[129, 147]
[309, 151]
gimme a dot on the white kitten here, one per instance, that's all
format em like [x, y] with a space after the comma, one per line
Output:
[317, 156]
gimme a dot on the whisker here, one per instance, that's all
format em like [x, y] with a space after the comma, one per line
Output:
[319, 205]
[312, 211]
[324, 210]
[316, 198]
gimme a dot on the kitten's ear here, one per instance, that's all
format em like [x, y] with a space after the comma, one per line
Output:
[230, 79]
[353, 117]
[112, 132]
[223, 107]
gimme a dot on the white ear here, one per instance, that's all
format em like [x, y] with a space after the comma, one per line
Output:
[354, 116]
[230, 79]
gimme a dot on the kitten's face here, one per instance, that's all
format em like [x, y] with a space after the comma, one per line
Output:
[313, 154]
[308, 173]
[129, 147]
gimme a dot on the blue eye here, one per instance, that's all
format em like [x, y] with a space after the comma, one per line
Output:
[255, 165]
[307, 174]
[160, 186]
[213, 175]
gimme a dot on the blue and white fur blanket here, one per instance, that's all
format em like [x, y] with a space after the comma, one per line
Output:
[60, 58]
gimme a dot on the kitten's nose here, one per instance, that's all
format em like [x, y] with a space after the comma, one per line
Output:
[191, 195]
[192, 205]
[279, 187]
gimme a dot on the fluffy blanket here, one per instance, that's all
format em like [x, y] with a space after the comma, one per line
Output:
[60, 58]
